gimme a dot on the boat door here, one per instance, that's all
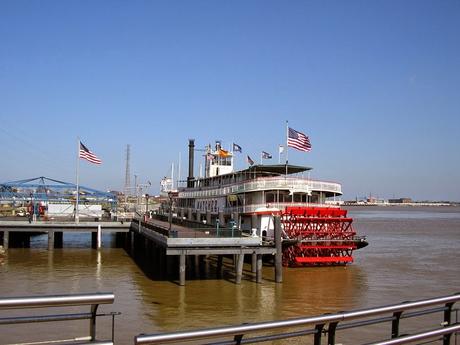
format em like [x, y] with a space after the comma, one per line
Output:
[267, 227]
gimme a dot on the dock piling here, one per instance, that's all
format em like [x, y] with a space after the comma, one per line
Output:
[6, 239]
[239, 268]
[51, 240]
[99, 236]
[259, 269]
[58, 239]
[182, 269]
[253, 262]
[279, 253]
[220, 259]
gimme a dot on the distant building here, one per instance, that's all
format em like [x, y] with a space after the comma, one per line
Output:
[400, 201]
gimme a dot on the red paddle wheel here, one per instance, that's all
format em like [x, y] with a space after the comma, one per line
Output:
[317, 236]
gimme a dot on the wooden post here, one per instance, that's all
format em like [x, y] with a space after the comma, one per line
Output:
[239, 268]
[50, 240]
[99, 237]
[182, 269]
[220, 259]
[6, 239]
[131, 243]
[279, 252]
[93, 240]
[259, 269]
[58, 239]
[196, 264]
[254, 263]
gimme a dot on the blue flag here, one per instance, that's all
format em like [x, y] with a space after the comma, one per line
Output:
[237, 148]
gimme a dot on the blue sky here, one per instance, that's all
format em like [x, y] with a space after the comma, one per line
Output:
[375, 84]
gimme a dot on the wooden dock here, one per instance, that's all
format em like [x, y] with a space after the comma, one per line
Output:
[158, 243]
[19, 231]
[183, 241]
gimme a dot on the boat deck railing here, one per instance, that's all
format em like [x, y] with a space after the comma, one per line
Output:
[193, 229]
[59, 301]
[326, 325]
[299, 184]
[272, 207]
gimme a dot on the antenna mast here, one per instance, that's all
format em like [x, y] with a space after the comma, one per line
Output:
[127, 189]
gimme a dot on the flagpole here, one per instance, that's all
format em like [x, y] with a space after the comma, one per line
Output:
[233, 162]
[287, 148]
[77, 216]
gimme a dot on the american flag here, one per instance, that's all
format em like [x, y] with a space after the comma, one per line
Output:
[250, 161]
[88, 155]
[298, 140]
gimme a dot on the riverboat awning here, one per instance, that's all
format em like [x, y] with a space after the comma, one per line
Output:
[277, 169]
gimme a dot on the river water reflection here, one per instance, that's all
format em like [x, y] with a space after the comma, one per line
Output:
[413, 253]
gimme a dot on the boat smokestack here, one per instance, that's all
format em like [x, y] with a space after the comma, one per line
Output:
[191, 151]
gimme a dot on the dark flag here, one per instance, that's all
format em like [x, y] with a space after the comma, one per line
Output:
[237, 148]
[266, 155]
[250, 161]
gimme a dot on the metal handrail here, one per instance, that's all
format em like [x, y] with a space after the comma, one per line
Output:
[27, 302]
[421, 336]
[239, 331]
[56, 300]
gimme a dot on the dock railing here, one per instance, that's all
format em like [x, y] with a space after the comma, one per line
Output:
[327, 325]
[56, 301]
[196, 229]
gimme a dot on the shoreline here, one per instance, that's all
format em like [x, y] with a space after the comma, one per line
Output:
[412, 204]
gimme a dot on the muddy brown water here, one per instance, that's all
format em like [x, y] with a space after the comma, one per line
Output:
[414, 253]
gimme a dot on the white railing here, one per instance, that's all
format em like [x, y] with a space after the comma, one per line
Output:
[271, 206]
[267, 183]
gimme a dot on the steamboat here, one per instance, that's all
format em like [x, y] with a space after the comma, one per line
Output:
[315, 230]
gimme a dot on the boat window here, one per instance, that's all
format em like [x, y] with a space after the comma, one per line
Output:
[270, 197]
[315, 198]
[248, 199]
[285, 197]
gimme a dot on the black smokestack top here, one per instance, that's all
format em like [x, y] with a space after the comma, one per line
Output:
[191, 151]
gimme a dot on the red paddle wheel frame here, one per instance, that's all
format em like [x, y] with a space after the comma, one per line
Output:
[317, 236]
